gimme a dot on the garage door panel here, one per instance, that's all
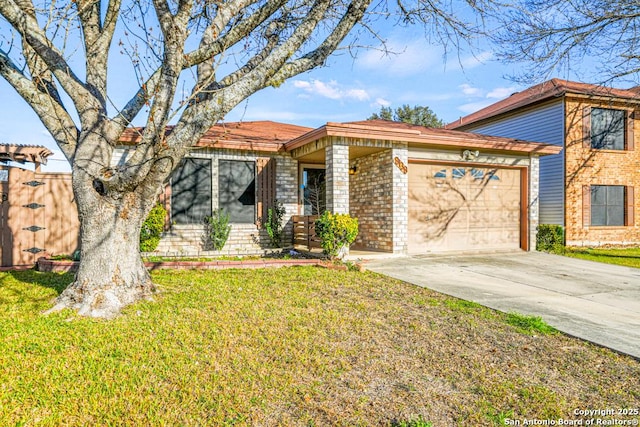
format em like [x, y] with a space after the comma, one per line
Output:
[460, 208]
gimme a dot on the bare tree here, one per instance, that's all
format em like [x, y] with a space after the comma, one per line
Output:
[58, 55]
[597, 38]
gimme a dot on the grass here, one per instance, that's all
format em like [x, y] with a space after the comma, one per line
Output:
[294, 346]
[629, 257]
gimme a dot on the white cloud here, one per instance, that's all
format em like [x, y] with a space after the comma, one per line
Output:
[470, 90]
[501, 92]
[381, 102]
[330, 89]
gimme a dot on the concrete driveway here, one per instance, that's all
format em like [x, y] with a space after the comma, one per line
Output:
[593, 301]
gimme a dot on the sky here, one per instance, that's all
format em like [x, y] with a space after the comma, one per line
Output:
[346, 89]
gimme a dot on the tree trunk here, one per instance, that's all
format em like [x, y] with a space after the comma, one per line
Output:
[111, 274]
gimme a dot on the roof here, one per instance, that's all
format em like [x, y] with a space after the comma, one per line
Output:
[550, 89]
[24, 153]
[258, 135]
[420, 136]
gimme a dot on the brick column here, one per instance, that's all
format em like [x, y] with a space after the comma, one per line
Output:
[287, 192]
[400, 198]
[337, 177]
[534, 205]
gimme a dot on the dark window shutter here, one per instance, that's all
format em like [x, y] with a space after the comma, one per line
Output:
[630, 142]
[586, 205]
[586, 127]
[266, 191]
[629, 215]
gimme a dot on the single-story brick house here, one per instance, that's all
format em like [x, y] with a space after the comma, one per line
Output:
[413, 189]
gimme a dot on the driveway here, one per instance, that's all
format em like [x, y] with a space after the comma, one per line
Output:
[593, 301]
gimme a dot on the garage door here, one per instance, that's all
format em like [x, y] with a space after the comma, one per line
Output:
[457, 208]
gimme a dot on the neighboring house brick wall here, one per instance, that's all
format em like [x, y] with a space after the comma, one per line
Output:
[586, 167]
[543, 123]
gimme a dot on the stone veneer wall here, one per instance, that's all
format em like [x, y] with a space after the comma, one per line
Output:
[584, 167]
[371, 201]
[244, 239]
[400, 199]
[337, 177]
[534, 200]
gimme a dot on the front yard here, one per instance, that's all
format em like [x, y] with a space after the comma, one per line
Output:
[629, 257]
[292, 346]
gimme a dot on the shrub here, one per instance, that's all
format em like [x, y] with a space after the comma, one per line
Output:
[152, 228]
[217, 229]
[273, 225]
[336, 231]
[550, 238]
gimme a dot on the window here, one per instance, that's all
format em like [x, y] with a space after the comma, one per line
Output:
[608, 129]
[607, 205]
[237, 190]
[191, 191]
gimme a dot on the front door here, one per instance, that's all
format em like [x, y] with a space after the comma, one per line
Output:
[313, 189]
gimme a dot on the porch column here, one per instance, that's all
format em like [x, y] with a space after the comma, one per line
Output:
[337, 177]
[534, 204]
[400, 176]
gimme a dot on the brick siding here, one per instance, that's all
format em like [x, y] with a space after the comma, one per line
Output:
[585, 167]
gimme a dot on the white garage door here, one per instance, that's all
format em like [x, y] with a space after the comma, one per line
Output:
[457, 208]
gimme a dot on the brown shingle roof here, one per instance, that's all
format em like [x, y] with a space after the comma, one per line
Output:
[259, 135]
[542, 92]
[418, 136]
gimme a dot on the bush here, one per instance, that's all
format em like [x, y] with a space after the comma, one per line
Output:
[550, 238]
[151, 229]
[336, 231]
[217, 229]
[273, 225]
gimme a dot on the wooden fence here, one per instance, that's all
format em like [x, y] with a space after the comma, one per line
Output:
[304, 231]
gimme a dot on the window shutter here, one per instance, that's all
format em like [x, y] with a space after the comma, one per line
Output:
[586, 127]
[586, 205]
[630, 143]
[629, 214]
[266, 188]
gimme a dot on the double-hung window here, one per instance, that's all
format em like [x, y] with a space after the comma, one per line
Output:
[608, 129]
[608, 205]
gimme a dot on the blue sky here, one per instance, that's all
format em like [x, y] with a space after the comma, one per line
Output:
[346, 89]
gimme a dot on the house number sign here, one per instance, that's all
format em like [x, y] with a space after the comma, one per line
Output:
[400, 165]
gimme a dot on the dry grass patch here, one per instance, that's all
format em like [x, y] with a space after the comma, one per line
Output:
[292, 346]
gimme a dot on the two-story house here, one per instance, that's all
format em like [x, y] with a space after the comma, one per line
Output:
[589, 187]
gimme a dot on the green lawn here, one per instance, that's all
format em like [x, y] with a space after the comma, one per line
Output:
[293, 346]
[629, 257]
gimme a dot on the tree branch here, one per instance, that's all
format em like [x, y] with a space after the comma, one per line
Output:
[52, 113]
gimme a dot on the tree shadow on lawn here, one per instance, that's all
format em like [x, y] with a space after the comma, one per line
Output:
[56, 281]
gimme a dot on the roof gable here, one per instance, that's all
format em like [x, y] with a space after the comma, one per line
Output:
[554, 88]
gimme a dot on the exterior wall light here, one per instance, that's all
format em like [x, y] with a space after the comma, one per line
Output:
[470, 155]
